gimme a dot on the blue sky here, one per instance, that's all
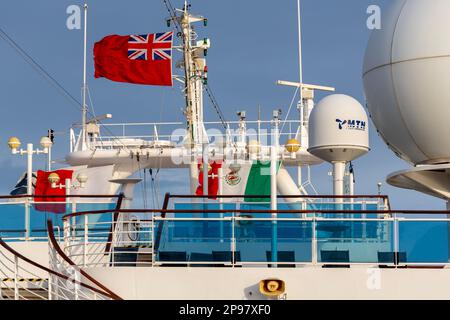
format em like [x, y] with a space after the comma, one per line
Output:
[254, 43]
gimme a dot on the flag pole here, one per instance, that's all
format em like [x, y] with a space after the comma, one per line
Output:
[300, 67]
[84, 108]
[300, 57]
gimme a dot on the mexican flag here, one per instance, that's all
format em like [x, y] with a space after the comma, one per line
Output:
[251, 178]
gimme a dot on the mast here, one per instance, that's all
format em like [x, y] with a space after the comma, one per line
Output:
[195, 73]
[300, 57]
[84, 107]
[300, 106]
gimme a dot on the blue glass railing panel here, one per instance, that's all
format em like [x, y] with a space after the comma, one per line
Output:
[255, 240]
[266, 207]
[424, 241]
[12, 220]
[354, 241]
[94, 218]
[40, 213]
[12, 217]
[182, 240]
[203, 206]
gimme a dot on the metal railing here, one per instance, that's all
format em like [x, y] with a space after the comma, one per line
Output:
[24, 219]
[24, 279]
[60, 260]
[307, 237]
[141, 134]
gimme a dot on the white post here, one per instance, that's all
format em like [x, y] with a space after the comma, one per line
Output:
[29, 188]
[205, 169]
[351, 184]
[16, 275]
[68, 186]
[338, 178]
[66, 234]
[220, 182]
[300, 63]
[273, 178]
[193, 175]
[86, 230]
[273, 202]
[49, 159]
[50, 288]
[84, 108]
[299, 176]
[30, 168]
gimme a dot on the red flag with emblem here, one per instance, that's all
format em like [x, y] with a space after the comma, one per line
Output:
[213, 179]
[140, 59]
[43, 189]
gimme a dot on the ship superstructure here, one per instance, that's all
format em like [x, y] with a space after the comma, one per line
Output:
[247, 230]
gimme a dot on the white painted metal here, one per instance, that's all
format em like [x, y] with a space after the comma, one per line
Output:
[406, 79]
[286, 185]
[364, 282]
[29, 153]
[338, 178]
[304, 85]
[205, 168]
[331, 141]
[273, 178]
[84, 107]
[300, 60]
[430, 179]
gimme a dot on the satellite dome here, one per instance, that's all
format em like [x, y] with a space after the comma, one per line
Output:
[338, 129]
[406, 78]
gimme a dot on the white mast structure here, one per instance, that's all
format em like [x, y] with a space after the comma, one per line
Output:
[84, 107]
[306, 98]
[195, 75]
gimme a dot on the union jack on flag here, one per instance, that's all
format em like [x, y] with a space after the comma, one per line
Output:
[158, 46]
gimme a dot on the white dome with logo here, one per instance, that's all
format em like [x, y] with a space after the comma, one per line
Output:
[338, 129]
[407, 79]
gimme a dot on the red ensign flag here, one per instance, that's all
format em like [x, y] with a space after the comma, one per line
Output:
[213, 180]
[141, 59]
[43, 188]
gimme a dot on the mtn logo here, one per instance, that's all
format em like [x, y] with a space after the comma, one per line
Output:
[351, 124]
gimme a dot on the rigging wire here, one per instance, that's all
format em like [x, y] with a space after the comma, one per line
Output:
[216, 106]
[42, 72]
[49, 78]
[288, 112]
[173, 15]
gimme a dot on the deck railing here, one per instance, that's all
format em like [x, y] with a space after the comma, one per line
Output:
[24, 219]
[25, 279]
[120, 135]
[216, 235]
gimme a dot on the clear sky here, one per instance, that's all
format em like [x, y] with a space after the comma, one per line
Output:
[254, 43]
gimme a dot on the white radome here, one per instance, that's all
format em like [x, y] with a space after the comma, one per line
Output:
[338, 129]
[407, 79]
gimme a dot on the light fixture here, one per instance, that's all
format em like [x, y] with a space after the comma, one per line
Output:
[14, 144]
[53, 178]
[46, 143]
[82, 178]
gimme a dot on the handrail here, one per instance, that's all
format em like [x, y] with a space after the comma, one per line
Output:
[60, 196]
[39, 266]
[383, 197]
[281, 196]
[58, 249]
[351, 212]
[113, 226]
